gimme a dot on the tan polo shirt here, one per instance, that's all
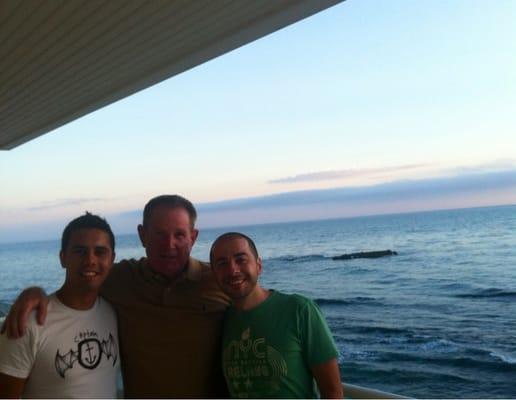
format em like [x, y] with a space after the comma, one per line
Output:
[170, 332]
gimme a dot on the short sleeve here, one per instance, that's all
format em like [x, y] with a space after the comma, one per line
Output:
[17, 355]
[318, 344]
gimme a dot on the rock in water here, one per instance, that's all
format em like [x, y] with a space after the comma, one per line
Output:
[366, 254]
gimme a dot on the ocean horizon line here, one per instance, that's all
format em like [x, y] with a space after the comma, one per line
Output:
[300, 221]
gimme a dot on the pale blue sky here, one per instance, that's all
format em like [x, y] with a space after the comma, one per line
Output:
[366, 94]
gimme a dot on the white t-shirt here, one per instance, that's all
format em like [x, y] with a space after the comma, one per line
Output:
[74, 354]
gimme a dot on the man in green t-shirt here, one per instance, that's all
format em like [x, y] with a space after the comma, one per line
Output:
[274, 344]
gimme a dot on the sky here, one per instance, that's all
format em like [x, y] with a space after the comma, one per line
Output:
[369, 107]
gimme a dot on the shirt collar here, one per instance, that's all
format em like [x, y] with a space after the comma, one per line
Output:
[192, 272]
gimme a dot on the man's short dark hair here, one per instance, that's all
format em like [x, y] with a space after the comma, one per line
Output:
[87, 221]
[169, 201]
[231, 235]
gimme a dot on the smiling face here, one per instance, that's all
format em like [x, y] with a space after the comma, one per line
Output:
[168, 237]
[236, 268]
[87, 258]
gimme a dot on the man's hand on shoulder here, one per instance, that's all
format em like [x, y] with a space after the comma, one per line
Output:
[15, 323]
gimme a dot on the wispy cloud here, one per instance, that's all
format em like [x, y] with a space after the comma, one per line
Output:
[65, 203]
[407, 190]
[390, 173]
[455, 191]
[461, 182]
[459, 191]
[348, 173]
[498, 165]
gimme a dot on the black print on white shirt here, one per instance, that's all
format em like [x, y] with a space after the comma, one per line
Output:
[88, 354]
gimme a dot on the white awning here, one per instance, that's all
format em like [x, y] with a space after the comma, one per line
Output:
[62, 59]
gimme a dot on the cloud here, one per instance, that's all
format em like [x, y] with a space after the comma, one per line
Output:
[347, 173]
[402, 196]
[390, 172]
[458, 191]
[65, 203]
[498, 165]
[408, 190]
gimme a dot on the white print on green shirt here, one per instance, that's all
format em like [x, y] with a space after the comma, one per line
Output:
[248, 359]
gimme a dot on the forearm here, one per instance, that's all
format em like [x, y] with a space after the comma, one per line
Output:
[16, 321]
[11, 387]
[335, 393]
[327, 377]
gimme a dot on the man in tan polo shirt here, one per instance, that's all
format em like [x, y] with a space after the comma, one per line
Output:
[169, 308]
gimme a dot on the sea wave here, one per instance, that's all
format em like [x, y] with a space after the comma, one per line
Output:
[488, 293]
[300, 259]
[439, 346]
[454, 286]
[402, 376]
[498, 356]
[356, 355]
[455, 359]
[346, 302]
[379, 330]
[307, 258]
[4, 309]
[481, 365]
[506, 359]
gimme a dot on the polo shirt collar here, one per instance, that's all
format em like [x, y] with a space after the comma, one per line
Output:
[192, 272]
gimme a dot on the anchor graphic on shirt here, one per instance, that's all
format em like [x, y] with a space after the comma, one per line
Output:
[88, 354]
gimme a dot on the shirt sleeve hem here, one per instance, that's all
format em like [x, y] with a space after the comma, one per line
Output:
[16, 373]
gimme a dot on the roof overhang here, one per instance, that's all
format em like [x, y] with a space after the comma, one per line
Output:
[60, 60]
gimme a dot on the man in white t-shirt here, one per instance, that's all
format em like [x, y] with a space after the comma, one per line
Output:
[75, 354]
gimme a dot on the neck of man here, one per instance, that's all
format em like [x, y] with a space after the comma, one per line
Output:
[170, 274]
[76, 298]
[253, 299]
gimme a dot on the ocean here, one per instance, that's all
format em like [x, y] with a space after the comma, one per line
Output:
[438, 320]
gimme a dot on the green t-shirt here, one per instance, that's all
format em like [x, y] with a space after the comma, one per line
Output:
[268, 351]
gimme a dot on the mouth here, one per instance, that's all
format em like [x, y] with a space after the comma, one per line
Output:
[89, 274]
[236, 282]
[168, 256]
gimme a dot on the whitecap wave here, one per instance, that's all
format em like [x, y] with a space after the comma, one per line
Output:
[440, 346]
[505, 358]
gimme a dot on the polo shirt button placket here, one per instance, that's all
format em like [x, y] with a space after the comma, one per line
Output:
[166, 294]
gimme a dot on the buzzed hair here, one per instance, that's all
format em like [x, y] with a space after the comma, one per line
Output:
[87, 221]
[169, 201]
[232, 235]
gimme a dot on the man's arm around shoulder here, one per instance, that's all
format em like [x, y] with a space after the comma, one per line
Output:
[33, 298]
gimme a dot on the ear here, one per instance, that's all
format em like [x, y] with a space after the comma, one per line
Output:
[194, 234]
[141, 234]
[61, 259]
[259, 265]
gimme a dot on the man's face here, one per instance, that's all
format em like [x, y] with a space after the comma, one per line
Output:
[235, 267]
[168, 239]
[87, 258]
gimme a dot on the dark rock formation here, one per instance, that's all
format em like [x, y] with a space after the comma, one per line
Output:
[366, 254]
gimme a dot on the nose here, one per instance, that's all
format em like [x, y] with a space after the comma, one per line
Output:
[234, 268]
[89, 257]
[169, 241]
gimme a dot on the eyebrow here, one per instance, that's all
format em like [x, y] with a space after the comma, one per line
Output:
[233, 255]
[217, 260]
[82, 247]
